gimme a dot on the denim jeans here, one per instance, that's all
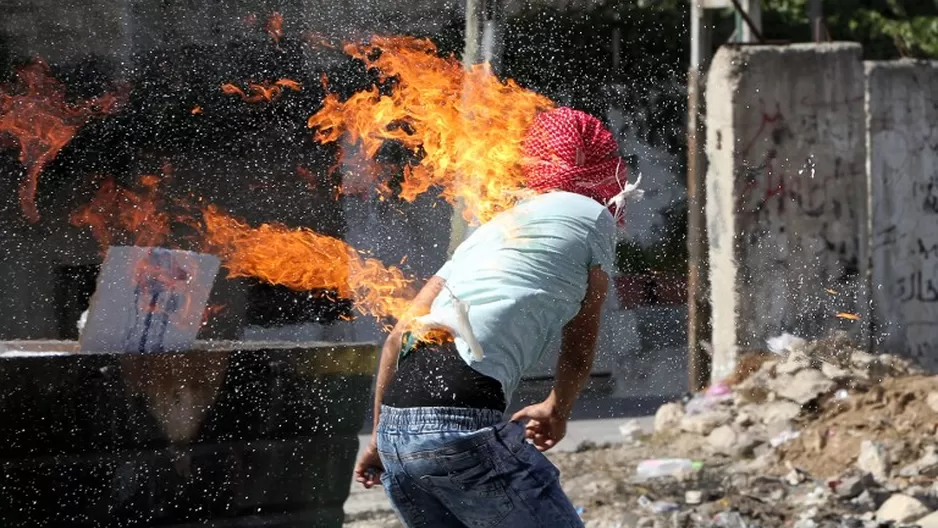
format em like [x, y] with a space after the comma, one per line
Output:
[454, 467]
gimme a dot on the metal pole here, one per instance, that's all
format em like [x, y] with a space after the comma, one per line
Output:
[748, 20]
[698, 306]
[816, 17]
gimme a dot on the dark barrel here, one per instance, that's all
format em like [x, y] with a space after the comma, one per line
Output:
[227, 434]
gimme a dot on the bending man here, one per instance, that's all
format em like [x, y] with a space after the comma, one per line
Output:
[535, 272]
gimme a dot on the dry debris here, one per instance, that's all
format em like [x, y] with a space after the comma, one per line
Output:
[822, 434]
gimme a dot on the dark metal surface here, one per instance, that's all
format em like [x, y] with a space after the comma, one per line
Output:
[256, 434]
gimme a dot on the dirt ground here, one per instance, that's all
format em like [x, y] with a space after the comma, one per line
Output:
[894, 413]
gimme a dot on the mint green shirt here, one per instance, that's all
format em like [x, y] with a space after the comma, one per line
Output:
[524, 275]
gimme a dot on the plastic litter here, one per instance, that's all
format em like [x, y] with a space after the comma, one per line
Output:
[718, 389]
[729, 520]
[693, 497]
[657, 506]
[783, 344]
[702, 403]
[666, 467]
[784, 437]
[631, 431]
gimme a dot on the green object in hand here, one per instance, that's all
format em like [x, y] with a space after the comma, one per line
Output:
[408, 343]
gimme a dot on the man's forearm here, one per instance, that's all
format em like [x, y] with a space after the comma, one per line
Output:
[573, 368]
[578, 345]
[386, 368]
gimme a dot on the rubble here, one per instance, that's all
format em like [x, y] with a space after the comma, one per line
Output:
[901, 508]
[821, 434]
[874, 458]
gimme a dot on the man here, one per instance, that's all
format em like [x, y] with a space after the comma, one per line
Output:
[535, 272]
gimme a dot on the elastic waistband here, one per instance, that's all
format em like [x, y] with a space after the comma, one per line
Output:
[437, 419]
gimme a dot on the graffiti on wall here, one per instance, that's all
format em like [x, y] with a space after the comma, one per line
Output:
[904, 177]
[799, 215]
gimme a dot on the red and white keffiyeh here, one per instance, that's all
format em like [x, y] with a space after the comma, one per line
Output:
[569, 150]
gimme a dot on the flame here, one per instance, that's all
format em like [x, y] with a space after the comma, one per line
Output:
[301, 259]
[274, 27]
[211, 311]
[262, 91]
[38, 115]
[315, 39]
[196, 110]
[848, 316]
[307, 176]
[467, 124]
[116, 211]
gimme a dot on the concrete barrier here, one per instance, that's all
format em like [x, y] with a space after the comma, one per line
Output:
[229, 434]
[786, 194]
[902, 119]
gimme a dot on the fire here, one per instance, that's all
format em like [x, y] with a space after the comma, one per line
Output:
[848, 316]
[467, 124]
[118, 212]
[262, 91]
[37, 114]
[307, 176]
[274, 27]
[301, 259]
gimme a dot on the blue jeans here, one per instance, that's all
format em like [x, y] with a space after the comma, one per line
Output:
[452, 467]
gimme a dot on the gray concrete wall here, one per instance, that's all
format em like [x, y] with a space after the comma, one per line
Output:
[902, 116]
[785, 193]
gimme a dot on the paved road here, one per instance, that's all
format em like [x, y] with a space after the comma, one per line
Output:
[595, 430]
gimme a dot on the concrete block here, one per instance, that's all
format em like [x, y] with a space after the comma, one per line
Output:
[902, 120]
[786, 193]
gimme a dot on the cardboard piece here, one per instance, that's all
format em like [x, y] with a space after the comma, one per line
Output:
[148, 300]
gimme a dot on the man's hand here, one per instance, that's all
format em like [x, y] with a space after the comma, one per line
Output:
[368, 469]
[546, 424]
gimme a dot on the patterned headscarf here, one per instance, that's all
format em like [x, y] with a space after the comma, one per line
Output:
[569, 150]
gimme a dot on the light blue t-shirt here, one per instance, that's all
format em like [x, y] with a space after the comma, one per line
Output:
[524, 276]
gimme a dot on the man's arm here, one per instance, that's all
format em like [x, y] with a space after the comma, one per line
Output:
[392, 346]
[578, 345]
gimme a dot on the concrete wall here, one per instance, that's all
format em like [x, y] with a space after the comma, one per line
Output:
[785, 193]
[902, 116]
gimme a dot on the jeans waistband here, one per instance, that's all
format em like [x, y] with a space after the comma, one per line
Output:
[437, 419]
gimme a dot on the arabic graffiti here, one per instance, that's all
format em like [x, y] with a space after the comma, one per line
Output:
[916, 287]
[798, 180]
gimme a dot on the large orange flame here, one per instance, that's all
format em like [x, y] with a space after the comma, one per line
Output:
[301, 259]
[38, 115]
[467, 124]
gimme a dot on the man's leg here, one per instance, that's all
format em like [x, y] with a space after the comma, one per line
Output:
[533, 482]
[414, 507]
